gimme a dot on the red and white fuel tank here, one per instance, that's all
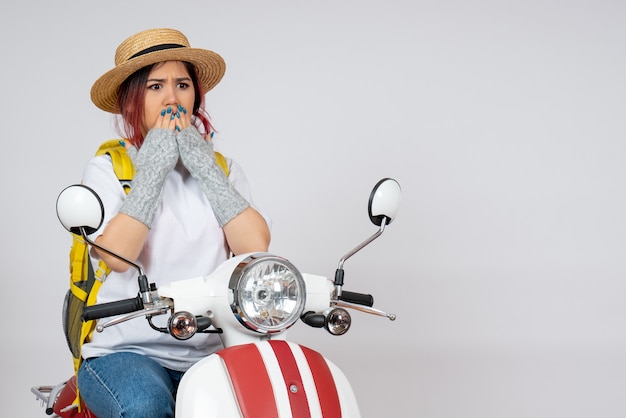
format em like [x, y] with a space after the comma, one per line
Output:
[267, 379]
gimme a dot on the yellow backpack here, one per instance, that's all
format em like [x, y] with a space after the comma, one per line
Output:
[84, 281]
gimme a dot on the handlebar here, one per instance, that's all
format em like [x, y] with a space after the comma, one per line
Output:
[119, 307]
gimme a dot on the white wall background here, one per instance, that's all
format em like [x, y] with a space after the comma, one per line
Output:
[502, 120]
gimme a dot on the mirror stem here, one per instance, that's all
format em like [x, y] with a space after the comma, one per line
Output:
[339, 272]
[144, 286]
[83, 233]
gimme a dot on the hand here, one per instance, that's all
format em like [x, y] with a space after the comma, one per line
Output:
[173, 118]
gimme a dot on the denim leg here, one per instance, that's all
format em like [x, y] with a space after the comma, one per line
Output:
[126, 385]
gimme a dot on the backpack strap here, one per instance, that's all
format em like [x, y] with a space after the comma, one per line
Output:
[122, 165]
[84, 286]
[221, 161]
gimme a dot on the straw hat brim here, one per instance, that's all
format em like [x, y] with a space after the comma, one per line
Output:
[210, 66]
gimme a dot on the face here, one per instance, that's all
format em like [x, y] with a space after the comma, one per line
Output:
[168, 84]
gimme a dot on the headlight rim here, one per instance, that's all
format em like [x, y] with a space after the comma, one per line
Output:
[238, 275]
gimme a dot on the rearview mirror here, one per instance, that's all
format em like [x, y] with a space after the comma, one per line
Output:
[79, 207]
[384, 202]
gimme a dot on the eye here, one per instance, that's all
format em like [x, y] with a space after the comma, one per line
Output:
[155, 86]
[183, 86]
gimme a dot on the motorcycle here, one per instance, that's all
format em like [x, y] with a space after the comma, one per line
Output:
[250, 300]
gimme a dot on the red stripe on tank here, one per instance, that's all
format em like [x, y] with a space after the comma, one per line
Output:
[324, 382]
[293, 381]
[250, 381]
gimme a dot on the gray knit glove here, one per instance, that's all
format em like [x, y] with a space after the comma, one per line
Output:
[155, 159]
[198, 156]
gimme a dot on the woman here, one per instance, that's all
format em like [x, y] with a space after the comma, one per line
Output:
[181, 219]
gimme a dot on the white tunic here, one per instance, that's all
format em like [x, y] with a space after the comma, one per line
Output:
[185, 241]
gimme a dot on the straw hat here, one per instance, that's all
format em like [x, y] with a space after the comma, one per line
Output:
[149, 47]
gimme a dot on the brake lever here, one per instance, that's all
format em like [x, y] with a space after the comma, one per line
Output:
[366, 309]
[156, 310]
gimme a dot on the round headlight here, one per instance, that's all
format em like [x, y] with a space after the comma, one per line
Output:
[268, 293]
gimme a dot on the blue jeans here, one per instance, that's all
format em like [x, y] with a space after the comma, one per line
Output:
[128, 385]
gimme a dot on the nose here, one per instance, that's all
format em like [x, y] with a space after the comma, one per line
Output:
[171, 94]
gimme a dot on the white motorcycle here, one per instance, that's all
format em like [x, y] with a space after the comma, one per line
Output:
[251, 300]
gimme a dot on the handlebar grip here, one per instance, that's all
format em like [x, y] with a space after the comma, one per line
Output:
[358, 298]
[119, 307]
